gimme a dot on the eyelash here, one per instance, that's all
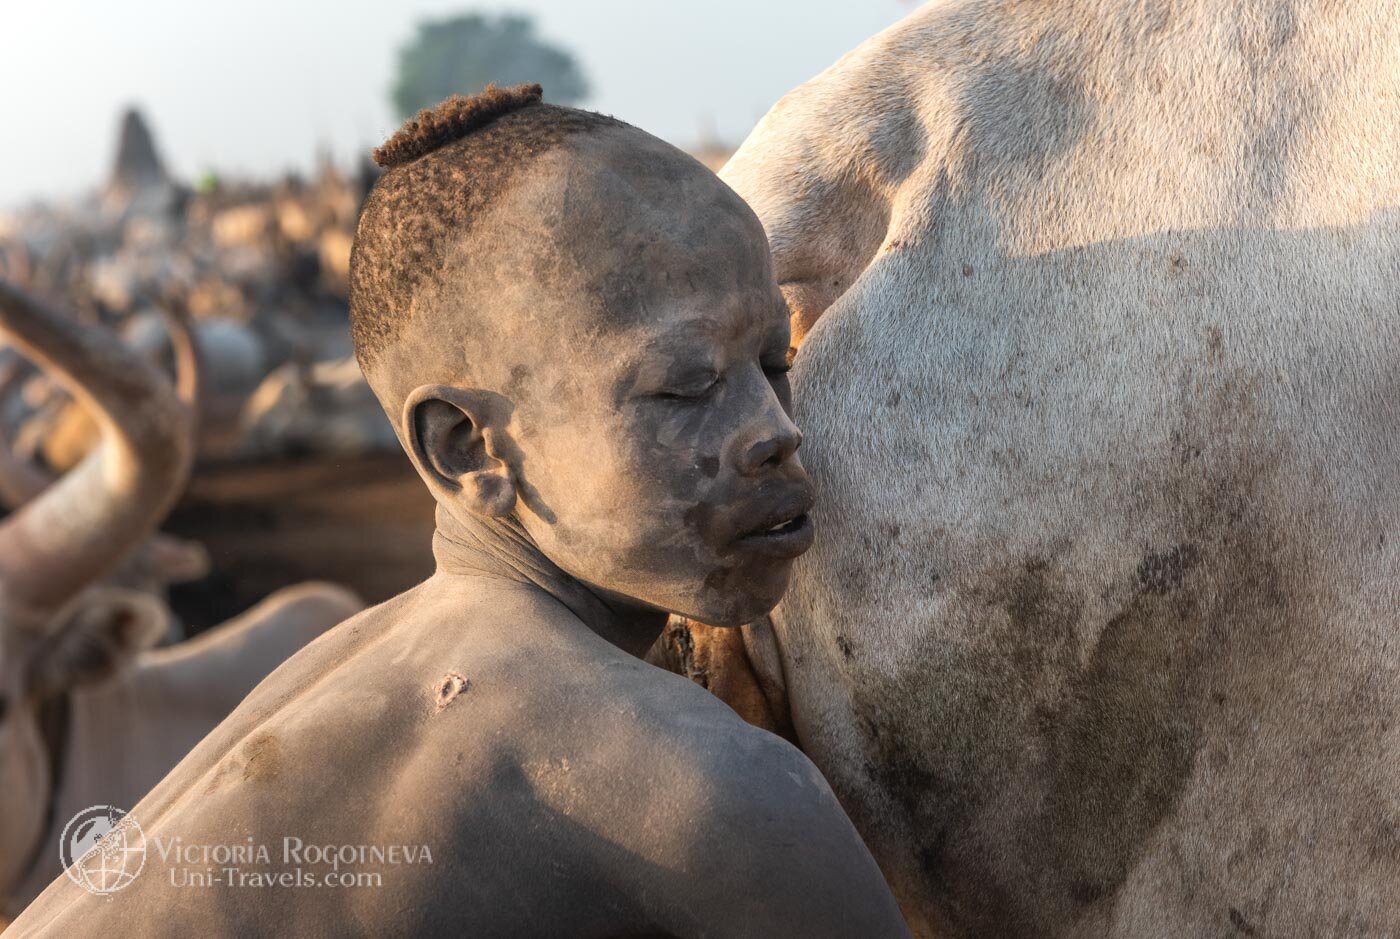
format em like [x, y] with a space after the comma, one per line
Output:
[697, 396]
[772, 371]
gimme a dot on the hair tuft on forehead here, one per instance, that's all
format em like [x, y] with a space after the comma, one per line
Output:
[444, 171]
[451, 120]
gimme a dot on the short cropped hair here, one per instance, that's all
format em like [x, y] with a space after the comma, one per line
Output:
[443, 169]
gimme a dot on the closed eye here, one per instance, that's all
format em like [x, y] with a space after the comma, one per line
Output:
[693, 392]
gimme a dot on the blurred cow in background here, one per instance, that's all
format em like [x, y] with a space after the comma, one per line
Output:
[89, 713]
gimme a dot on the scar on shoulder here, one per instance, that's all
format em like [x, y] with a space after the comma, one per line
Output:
[447, 689]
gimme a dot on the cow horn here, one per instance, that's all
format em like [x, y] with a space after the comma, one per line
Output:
[80, 527]
[20, 480]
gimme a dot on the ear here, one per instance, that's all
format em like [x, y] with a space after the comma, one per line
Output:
[452, 435]
[100, 635]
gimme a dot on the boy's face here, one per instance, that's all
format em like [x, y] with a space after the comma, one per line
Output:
[643, 347]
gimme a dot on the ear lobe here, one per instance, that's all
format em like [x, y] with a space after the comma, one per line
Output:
[451, 433]
[105, 631]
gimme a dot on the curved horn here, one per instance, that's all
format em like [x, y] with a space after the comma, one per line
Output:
[20, 480]
[78, 529]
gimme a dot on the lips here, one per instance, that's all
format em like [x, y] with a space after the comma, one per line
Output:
[784, 530]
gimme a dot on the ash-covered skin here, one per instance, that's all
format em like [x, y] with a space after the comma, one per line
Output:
[627, 381]
[594, 393]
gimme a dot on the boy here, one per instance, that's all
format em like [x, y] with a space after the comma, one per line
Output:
[576, 333]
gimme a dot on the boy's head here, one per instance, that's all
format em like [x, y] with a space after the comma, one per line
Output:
[572, 322]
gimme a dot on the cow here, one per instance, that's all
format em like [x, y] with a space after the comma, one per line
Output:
[162, 559]
[90, 714]
[1098, 305]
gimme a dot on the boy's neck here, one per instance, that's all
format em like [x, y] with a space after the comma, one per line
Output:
[501, 548]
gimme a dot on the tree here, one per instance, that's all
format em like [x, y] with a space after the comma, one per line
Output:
[463, 54]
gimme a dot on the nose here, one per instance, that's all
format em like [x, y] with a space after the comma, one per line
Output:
[772, 445]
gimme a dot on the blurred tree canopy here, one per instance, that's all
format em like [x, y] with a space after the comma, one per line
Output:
[463, 54]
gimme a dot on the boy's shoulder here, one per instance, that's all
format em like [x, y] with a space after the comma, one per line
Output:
[519, 746]
[537, 774]
[534, 696]
[455, 700]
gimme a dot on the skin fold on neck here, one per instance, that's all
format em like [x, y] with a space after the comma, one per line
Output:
[500, 548]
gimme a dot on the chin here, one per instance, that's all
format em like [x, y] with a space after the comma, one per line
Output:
[740, 596]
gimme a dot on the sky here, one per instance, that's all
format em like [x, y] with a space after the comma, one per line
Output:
[256, 87]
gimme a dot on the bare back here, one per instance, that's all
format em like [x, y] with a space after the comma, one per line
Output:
[560, 786]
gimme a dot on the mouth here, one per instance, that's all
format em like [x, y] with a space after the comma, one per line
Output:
[784, 532]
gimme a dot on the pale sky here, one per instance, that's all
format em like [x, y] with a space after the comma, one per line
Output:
[255, 86]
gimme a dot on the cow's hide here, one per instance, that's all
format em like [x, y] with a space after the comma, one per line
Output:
[1101, 635]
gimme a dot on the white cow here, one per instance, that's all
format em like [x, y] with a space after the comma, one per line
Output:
[1101, 635]
[89, 715]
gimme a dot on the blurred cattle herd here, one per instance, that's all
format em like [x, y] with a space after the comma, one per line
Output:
[297, 474]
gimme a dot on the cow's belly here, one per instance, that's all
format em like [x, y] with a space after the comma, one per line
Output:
[1101, 635]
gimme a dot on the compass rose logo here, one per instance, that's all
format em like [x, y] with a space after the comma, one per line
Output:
[102, 849]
